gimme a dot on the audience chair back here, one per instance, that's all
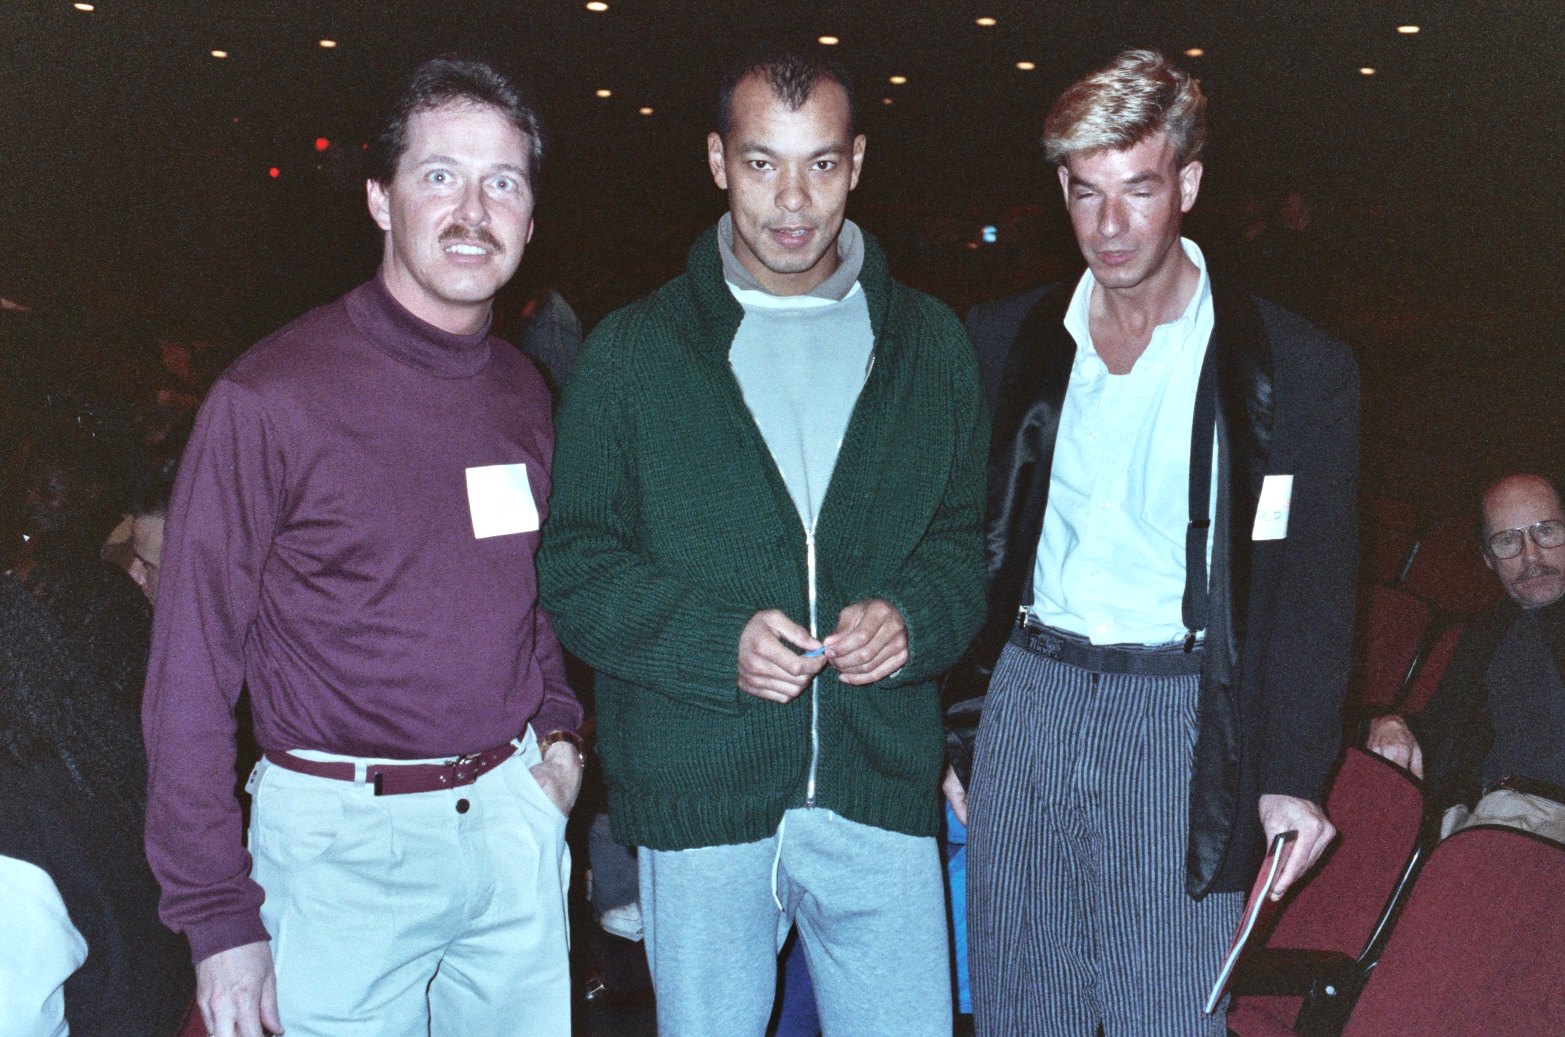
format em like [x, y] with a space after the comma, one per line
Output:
[1448, 569]
[1378, 809]
[1395, 625]
[1426, 679]
[1479, 947]
[1390, 530]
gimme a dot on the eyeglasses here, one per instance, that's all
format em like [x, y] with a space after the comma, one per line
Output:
[1508, 543]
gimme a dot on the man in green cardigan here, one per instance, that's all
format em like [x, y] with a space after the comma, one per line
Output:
[764, 536]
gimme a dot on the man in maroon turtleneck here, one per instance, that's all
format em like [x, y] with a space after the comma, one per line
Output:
[352, 537]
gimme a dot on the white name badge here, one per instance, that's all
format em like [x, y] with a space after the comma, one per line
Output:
[1271, 512]
[500, 500]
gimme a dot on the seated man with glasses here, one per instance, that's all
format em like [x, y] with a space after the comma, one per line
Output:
[1497, 722]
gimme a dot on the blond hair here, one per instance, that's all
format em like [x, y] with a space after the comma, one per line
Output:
[1131, 98]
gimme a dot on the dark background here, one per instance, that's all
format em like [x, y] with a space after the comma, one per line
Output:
[134, 166]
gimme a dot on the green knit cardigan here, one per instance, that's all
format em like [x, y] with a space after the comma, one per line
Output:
[670, 526]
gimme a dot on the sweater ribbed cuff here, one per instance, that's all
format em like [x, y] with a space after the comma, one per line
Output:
[222, 934]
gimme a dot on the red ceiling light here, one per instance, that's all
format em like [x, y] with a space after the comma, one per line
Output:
[274, 172]
[321, 143]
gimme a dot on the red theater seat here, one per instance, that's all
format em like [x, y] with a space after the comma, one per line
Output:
[1378, 809]
[1426, 681]
[1448, 570]
[1479, 948]
[1395, 624]
[1390, 527]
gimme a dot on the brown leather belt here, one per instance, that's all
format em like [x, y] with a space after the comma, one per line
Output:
[400, 779]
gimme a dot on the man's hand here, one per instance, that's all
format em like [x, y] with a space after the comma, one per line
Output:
[870, 642]
[956, 795]
[559, 775]
[1289, 813]
[1389, 736]
[768, 668]
[236, 992]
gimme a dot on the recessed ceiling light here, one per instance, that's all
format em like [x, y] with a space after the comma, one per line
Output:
[985, 21]
[328, 44]
[885, 100]
[828, 41]
[1408, 30]
[645, 110]
[220, 53]
[1026, 66]
[897, 80]
[84, 7]
[322, 143]
[1366, 71]
[597, 5]
[1194, 52]
[274, 172]
[603, 93]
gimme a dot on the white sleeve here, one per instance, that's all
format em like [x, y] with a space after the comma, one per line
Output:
[39, 949]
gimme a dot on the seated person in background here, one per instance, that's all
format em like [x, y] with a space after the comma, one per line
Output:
[1500, 710]
[80, 941]
[146, 538]
[71, 496]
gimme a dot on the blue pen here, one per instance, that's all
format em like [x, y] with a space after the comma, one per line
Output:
[815, 653]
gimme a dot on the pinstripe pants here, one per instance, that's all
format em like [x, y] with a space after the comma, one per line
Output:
[1078, 816]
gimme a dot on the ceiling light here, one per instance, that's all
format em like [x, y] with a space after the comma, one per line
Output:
[828, 41]
[84, 7]
[274, 172]
[220, 53]
[1408, 30]
[1194, 52]
[1366, 71]
[598, 6]
[898, 80]
[322, 143]
[885, 100]
[328, 44]
[985, 21]
[603, 93]
[1026, 66]
[645, 110]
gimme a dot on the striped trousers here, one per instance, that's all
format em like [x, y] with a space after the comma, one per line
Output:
[1078, 816]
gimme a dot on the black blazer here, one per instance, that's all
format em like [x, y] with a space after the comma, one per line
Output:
[1279, 641]
[1456, 728]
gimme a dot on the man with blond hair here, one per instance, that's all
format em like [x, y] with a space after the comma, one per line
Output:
[1172, 510]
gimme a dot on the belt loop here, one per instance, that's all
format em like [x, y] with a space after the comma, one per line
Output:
[360, 772]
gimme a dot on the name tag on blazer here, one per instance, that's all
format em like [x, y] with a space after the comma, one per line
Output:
[1271, 511]
[501, 500]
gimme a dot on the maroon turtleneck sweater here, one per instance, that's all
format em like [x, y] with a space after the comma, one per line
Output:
[321, 548]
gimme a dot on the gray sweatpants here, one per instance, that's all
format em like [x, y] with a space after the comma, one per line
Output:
[1078, 821]
[870, 907]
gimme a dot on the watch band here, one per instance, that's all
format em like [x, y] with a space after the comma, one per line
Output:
[571, 737]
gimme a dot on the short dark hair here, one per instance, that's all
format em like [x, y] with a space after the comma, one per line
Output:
[452, 80]
[792, 77]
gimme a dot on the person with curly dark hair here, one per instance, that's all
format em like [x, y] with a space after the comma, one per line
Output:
[80, 941]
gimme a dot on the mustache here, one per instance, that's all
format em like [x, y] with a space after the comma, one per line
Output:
[1537, 569]
[461, 234]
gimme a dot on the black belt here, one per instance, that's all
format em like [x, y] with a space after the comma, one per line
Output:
[1170, 660]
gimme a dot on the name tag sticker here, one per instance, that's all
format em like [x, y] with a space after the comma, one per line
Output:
[1271, 512]
[501, 500]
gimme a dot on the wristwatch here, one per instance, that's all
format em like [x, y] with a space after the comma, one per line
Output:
[571, 737]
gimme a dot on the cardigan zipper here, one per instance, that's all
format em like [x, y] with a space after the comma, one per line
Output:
[815, 686]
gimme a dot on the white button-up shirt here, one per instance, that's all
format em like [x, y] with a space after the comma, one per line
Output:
[1111, 560]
